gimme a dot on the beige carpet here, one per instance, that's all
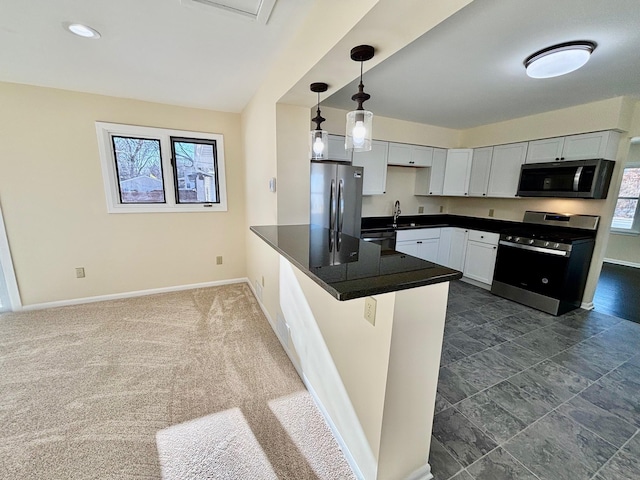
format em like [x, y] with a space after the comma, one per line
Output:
[186, 385]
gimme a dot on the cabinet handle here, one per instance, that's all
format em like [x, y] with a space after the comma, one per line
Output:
[495, 248]
[419, 242]
[557, 158]
[561, 158]
[412, 162]
[430, 193]
[466, 193]
[481, 236]
[484, 194]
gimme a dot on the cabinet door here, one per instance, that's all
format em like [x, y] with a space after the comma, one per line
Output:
[546, 150]
[421, 156]
[505, 169]
[428, 249]
[457, 171]
[337, 150]
[458, 249]
[444, 246]
[410, 247]
[591, 145]
[480, 170]
[480, 261]
[436, 180]
[374, 164]
[399, 154]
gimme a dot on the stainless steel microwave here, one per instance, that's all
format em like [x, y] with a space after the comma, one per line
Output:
[571, 179]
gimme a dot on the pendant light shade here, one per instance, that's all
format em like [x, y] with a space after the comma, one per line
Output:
[360, 121]
[318, 139]
[559, 59]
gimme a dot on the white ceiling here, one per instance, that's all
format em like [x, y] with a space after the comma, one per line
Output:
[168, 51]
[468, 70]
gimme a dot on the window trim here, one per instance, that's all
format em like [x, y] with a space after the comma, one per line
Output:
[105, 131]
[635, 226]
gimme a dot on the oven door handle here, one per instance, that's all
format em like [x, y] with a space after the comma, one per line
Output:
[560, 253]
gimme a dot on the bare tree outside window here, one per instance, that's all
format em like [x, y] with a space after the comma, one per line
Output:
[627, 206]
[195, 167]
[139, 166]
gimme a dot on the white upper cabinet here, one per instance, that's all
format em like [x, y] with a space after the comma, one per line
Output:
[546, 150]
[505, 169]
[457, 172]
[480, 170]
[374, 163]
[585, 146]
[407, 155]
[430, 181]
[337, 150]
[591, 145]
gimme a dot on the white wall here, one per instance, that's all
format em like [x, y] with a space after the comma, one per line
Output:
[55, 210]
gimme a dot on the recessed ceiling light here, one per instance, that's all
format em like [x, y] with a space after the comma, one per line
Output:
[559, 59]
[83, 30]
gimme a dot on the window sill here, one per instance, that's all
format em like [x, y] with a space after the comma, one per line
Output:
[633, 233]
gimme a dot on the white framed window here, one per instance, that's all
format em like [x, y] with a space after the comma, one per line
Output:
[626, 217]
[148, 169]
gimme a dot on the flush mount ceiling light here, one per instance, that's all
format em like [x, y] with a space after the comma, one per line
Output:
[360, 121]
[319, 137]
[82, 30]
[559, 59]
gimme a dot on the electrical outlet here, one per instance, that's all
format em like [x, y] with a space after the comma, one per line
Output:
[441, 209]
[258, 290]
[421, 209]
[80, 272]
[263, 280]
[491, 212]
[370, 310]
[219, 260]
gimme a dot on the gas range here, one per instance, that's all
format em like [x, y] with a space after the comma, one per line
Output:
[544, 261]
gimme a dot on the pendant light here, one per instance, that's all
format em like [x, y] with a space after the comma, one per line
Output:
[359, 121]
[559, 59]
[319, 139]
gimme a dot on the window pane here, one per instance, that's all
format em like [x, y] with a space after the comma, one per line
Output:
[139, 170]
[624, 214]
[196, 170]
[630, 183]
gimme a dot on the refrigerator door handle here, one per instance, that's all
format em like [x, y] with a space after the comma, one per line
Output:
[340, 204]
[332, 206]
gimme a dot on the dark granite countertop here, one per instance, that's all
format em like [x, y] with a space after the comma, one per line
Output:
[354, 268]
[493, 225]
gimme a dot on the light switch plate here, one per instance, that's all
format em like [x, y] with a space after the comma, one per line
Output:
[370, 310]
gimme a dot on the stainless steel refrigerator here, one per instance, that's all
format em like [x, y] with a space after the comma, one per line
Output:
[336, 197]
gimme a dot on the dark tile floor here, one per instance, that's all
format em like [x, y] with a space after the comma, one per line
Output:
[617, 292]
[526, 395]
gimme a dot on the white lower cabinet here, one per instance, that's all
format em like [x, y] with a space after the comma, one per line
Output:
[480, 256]
[458, 248]
[422, 243]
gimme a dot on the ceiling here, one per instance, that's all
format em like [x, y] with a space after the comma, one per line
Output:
[468, 70]
[179, 52]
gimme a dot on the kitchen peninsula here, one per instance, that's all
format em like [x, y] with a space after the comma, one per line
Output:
[375, 380]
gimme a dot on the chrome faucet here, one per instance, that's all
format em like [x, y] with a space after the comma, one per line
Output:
[396, 213]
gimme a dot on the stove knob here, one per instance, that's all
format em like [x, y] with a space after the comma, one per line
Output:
[546, 244]
[556, 245]
[509, 237]
[517, 239]
[531, 241]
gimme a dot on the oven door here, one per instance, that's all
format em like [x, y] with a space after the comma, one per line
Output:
[533, 269]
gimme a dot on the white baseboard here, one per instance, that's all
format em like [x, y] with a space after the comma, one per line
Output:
[587, 305]
[621, 262]
[423, 473]
[139, 293]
